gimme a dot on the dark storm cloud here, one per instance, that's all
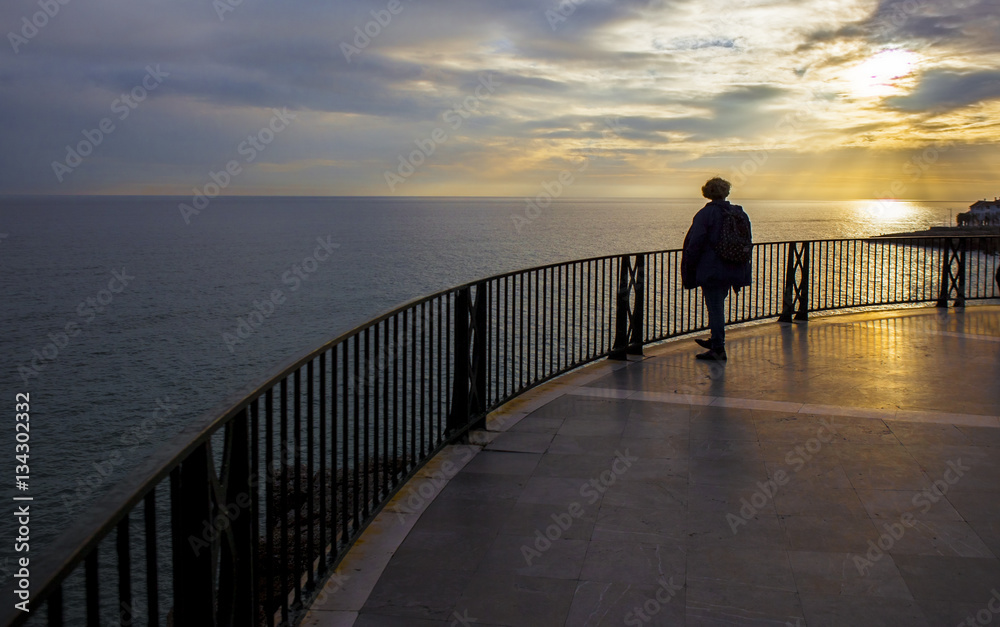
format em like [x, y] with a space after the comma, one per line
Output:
[941, 90]
[969, 24]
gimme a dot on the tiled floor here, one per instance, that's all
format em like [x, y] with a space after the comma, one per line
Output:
[844, 472]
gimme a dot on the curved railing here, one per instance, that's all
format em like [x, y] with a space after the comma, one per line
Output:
[240, 519]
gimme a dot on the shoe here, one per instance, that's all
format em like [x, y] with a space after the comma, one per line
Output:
[703, 343]
[713, 355]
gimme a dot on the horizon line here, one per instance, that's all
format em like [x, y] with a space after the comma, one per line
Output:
[384, 197]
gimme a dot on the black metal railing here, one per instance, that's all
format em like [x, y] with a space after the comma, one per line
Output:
[241, 518]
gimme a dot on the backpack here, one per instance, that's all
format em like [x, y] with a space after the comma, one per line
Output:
[735, 244]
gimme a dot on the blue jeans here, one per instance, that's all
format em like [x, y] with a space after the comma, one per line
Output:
[715, 303]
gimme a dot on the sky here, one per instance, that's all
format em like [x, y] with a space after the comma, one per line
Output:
[813, 99]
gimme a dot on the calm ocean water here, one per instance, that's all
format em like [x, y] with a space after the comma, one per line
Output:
[116, 311]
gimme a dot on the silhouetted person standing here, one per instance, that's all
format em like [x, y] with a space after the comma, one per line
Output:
[717, 259]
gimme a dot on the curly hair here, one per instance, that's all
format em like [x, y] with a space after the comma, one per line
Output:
[716, 189]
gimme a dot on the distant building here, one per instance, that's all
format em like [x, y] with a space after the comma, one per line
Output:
[986, 211]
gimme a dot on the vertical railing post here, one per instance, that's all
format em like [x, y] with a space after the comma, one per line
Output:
[636, 336]
[470, 334]
[459, 415]
[952, 254]
[190, 512]
[621, 310]
[796, 289]
[803, 312]
[788, 296]
[479, 366]
[628, 318]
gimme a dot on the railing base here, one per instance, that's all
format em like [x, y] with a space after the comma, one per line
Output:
[623, 355]
[799, 317]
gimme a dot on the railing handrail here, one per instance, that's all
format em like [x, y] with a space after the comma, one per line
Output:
[69, 550]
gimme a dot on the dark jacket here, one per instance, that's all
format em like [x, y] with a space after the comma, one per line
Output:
[700, 266]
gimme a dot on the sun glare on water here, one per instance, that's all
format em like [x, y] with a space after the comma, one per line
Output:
[882, 73]
[885, 211]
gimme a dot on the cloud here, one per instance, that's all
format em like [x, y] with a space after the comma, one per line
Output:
[942, 90]
[968, 24]
[695, 43]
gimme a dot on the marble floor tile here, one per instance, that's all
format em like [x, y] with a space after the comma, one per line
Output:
[947, 578]
[589, 426]
[560, 492]
[538, 424]
[888, 475]
[640, 525]
[670, 447]
[582, 466]
[473, 486]
[975, 506]
[521, 442]
[727, 472]
[505, 598]
[480, 514]
[654, 429]
[828, 503]
[633, 562]
[586, 445]
[416, 593]
[381, 620]
[762, 568]
[939, 537]
[544, 554]
[604, 604]
[735, 528]
[813, 533]
[667, 493]
[455, 549]
[528, 519]
[989, 532]
[836, 611]
[984, 614]
[917, 433]
[721, 603]
[892, 504]
[650, 469]
[727, 449]
[810, 473]
[504, 463]
[722, 499]
[838, 574]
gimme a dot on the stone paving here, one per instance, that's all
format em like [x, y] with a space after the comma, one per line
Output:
[840, 472]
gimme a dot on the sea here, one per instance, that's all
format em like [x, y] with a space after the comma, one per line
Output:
[120, 314]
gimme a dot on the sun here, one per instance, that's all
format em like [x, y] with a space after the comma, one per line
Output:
[883, 73]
